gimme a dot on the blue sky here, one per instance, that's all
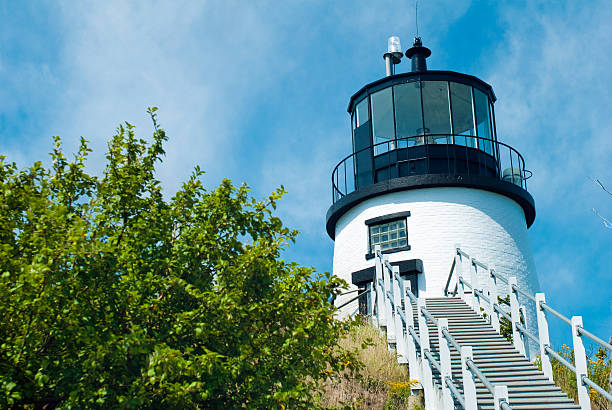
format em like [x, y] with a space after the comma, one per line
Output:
[257, 91]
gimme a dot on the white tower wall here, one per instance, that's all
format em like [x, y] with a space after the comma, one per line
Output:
[489, 226]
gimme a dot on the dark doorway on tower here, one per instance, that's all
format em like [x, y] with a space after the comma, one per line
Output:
[364, 278]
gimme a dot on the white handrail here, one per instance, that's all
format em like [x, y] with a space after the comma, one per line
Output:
[391, 297]
[520, 333]
[394, 300]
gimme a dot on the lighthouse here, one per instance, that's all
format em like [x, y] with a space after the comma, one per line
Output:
[427, 173]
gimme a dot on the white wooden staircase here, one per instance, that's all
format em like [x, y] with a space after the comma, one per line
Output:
[454, 348]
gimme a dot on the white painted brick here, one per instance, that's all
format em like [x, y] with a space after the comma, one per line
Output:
[489, 226]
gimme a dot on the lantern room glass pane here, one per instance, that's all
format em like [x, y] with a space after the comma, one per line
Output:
[436, 112]
[363, 112]
[463, 119]
[483, 121]
[408, 114]
[383, 126]
[353, 115]
[362, 141]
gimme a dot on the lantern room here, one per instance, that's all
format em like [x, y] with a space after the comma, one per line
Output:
[439, 124]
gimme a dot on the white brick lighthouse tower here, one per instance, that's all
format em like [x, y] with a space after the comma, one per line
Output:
[427, 173]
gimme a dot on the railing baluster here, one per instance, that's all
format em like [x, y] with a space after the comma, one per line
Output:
[345, 187]
[580, 363]
[493, 300]
[543, 336]
[445, 364]
[371, 295]
[516, 317]
[469, 384]
[459, 267]
[380, 295]
[388, 300]
[400, 338]
[501, 393]
[415, 371]
[426, 380]
[523, 314]
[474, 283]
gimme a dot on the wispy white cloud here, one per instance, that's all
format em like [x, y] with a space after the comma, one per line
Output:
[201, 63]
[552, 76]
[257, 92]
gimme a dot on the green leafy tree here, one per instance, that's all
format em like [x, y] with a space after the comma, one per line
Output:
[113, 296]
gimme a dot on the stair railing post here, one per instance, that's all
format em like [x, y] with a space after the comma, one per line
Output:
[459, 267]
[516, 317]
[426, 380]
[474, 283]
[501, 393]
[493, 297]
[388, 300]
[445, 364]
[469, 384]
[523, 314]
[580, 363]
[415, 371]
[543, 336]
[400, 338]
[371, 295]
[469, 295]
[380, 297]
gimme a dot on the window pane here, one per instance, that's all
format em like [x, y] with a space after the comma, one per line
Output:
[382, 121]
[435, 108]
[363, 112]
[483, 124]
[408, 114]
[362, 140]
[463, 120]
[394, 236]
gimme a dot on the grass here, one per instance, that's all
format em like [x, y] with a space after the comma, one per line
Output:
[598, 367]
[383, 383]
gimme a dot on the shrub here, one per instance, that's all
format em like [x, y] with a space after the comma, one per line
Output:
[114, 296]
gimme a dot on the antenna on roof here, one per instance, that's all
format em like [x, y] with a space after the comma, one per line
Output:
[416, 16]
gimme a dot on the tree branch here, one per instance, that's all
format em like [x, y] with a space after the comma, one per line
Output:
[606, 222]
[598, 182]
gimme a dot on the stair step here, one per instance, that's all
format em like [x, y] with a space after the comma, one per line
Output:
[496, 358]
[486, 365]
[556, 406]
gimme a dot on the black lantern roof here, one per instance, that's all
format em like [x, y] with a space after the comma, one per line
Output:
[430, 75]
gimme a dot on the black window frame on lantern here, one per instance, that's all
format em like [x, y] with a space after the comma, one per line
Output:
[484, 123]
[445, 141]
[384, 220]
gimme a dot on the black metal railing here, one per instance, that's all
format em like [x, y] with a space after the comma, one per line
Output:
[449, 154]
